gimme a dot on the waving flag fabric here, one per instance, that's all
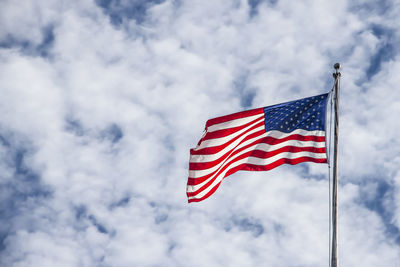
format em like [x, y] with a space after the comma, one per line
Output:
[257, 140]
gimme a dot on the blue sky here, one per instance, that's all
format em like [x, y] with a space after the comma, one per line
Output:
[102, 100]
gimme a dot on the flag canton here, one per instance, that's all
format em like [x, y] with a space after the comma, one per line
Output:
[307, 114]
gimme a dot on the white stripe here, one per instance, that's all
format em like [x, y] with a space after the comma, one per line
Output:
[254, 161]
[234, 123]
[259, 146]
[222, 140]
[280, 135]
[212, 157]
[204, 172]
[200, 173]
[259, 161]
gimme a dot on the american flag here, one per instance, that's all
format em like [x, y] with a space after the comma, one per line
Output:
[257, 140]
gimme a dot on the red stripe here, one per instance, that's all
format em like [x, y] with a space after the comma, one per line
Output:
[205, 177]
[209, 193]
[254, 153]
[267, 140]
[238, 115]
[194, 166]
[228, 131]
[205, 186]
[216, 149]
[271, 141]
[251, 167]
[195, 181]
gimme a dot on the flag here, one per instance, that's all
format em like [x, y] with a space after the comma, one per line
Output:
[257, 140]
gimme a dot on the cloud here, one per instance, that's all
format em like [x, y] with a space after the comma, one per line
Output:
[101, 101]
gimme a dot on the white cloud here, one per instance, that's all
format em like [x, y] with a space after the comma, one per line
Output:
[96, 126]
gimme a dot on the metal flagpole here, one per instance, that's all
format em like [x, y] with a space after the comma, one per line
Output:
[336, 76]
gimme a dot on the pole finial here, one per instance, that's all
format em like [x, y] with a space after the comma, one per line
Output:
[336, 74]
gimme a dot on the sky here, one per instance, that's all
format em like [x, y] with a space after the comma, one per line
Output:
[101, 100]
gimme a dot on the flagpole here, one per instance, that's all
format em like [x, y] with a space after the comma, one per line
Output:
[336, 76]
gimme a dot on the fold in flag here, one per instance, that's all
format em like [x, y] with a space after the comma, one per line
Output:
[257, 140]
